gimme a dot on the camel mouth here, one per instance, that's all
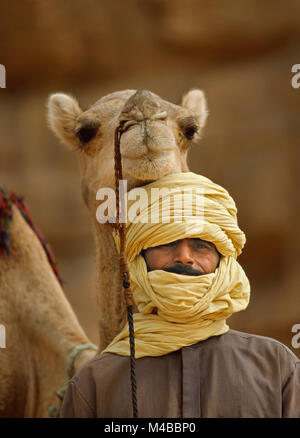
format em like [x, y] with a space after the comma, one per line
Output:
[149, 155]
[150, 166]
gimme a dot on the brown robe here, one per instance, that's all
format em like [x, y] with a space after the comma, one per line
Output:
[232, 375]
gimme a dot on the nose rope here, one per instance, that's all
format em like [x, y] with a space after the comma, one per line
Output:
[124, 270]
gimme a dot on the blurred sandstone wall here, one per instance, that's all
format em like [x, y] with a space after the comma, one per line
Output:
[239, 52]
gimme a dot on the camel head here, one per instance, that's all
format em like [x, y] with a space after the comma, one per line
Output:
[156, 138]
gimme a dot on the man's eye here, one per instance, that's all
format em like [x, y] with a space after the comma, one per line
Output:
[169, 245]
[201, 245]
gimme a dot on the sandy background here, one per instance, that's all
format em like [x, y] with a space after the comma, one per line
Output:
[239, 53]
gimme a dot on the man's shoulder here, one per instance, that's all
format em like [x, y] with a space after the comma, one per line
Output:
[87, 370]
[233, 342]
[258, 339]
[253, 343]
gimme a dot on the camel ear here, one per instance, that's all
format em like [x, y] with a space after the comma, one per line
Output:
[195, 101]
[63, 111]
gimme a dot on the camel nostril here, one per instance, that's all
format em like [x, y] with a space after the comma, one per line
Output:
[162, 115]
[127, 124]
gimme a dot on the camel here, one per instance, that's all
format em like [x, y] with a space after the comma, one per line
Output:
[41, 328]
[156, 138]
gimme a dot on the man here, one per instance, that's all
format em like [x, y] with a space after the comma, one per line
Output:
[186, 282]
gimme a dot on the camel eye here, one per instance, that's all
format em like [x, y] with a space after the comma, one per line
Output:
[87, 132]
[189, 127]
[190, 131]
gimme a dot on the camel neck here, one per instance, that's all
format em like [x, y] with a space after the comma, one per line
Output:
[109, 292]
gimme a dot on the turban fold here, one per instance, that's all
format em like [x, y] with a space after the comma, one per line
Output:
[176, 310]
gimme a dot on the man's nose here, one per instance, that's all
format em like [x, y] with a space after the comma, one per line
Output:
[184, 254]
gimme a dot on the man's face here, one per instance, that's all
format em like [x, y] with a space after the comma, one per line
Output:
[185, 256]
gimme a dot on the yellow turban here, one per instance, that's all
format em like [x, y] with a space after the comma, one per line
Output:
[176, 310]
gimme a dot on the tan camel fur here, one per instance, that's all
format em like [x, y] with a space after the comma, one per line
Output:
[41, 327]
[156, 139]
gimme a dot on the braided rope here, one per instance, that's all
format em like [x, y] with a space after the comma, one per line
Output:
[124, 270]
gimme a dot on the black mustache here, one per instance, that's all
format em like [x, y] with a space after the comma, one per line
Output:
[183, 269]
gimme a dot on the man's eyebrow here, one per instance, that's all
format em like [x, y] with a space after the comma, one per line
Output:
[204, 241]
